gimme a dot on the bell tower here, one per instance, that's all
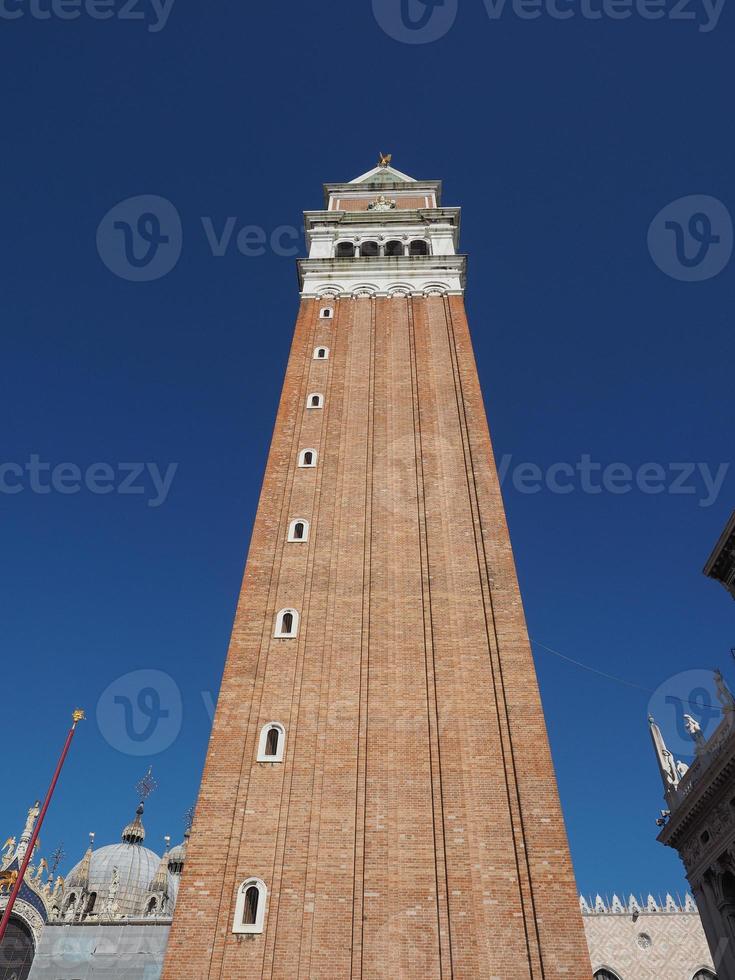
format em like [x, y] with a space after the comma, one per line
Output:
[379, 798]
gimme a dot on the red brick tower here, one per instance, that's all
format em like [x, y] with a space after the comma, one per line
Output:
[379, 799]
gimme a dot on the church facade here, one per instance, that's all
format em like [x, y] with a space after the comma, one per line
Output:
[700, 822]
[108, 918]
[379, 797]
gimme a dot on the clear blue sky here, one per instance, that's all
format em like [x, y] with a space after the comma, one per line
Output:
[561, 140]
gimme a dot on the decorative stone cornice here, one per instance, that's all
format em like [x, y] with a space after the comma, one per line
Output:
[721, 563]
[710, 771]
[383, 276]
[637, 905]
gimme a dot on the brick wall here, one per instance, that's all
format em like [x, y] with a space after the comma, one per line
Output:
[414, 828]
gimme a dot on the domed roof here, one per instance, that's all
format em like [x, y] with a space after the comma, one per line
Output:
[120, 874]
[177, 855]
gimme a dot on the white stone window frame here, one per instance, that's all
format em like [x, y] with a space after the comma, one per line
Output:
[238, 926]
[302, 459]
[278, 631]
[311, 397]
[263, 742]
[292, 530]
[326, 313]
[318, 356]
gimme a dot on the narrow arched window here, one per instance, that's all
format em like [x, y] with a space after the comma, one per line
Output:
[91, 902]
[272, 742]
[151, 907]
[394, 248]
[307, 458]
[369, 250]
[252, 897]
[345, 250]
[298, 530]
[418, 247]
[704, 975]
[287, 624]
[315, 401]
[321, 353]
[250, 906]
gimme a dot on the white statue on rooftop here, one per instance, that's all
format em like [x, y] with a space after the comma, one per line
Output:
[695, 731]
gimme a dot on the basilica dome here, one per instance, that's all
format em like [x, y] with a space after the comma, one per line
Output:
[116, 879]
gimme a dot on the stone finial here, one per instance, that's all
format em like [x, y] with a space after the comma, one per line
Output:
[671, 905]
[633, 905]
[682, 768]
[666, 765]
[616, 905]
[651, 905]
[79, 878]
[583, 906]
[724, 695]
[25, 837]
[689, 904]
[599, 904]
[42, 866]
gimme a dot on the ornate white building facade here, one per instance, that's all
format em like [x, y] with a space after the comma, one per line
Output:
[108, 918]
[646, 939]
[700, 823]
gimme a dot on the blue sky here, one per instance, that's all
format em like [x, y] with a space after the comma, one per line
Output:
[562, 140]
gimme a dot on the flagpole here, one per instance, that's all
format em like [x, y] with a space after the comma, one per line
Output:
[77, 716]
